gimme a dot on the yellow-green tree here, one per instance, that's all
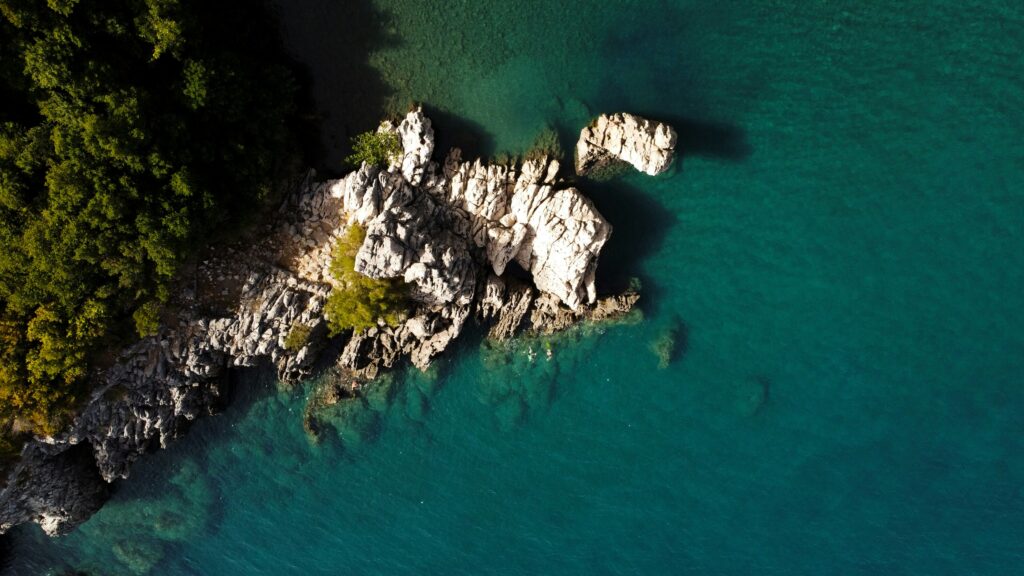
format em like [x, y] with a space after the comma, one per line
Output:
[358, 301]
[375, 148]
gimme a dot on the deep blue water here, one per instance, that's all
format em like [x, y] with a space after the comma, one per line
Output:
[840, 254]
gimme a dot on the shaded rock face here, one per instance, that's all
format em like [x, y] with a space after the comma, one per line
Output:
[448, 231]
[647, 145]
[52, 488]
[164, 382]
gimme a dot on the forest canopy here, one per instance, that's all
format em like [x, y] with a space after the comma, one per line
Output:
[130, 130]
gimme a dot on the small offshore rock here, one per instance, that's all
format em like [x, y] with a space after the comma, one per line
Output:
[647, 145]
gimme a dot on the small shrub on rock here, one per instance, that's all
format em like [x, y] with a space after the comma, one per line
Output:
[374, 148]
[546, 145]
[297, 337]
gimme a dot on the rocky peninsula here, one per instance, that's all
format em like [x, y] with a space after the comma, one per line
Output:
[451, 231]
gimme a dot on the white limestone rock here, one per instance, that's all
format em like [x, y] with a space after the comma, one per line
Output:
[516, 214]
[413, 243]
[418, 220]
[648, 145]
[417, 138]
[566, 234]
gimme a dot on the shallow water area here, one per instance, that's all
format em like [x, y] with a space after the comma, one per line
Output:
[836, 260]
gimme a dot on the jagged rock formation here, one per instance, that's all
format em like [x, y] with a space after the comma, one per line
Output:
[649, 146]
[51, 486]
[505, 212]
[513, 307]
[448, 231]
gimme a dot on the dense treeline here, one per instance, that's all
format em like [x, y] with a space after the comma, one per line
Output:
[130, 130]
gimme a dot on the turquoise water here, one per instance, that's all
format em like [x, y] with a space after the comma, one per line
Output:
[840, 253]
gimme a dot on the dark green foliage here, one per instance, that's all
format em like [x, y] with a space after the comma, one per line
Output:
[130, 131]
[297, 337]
[358, 301]
[374, 148]
[10, 449]
[147, 318]
[609, 169]
[503, 159]
[545, 145]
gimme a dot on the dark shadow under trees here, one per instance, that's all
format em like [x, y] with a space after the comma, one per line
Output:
[332, 40]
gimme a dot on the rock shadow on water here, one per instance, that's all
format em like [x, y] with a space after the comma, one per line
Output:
[640, 226]
[333, 41]
[671, 90]
[454, 131]
[704, 138]
[710, 139]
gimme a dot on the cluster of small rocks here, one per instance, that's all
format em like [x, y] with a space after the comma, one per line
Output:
[449, 232]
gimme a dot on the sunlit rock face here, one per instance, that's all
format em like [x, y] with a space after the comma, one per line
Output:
[423, 222]
[446, 231]
[647, 145]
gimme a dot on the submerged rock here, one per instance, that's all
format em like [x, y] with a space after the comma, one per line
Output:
[139, 555]
[647, 145]
[671, 342]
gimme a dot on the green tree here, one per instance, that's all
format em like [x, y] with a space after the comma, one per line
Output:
[375, 148]
[358, 301]
[297, 337]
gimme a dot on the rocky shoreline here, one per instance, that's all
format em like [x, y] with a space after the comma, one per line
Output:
[450, 231]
